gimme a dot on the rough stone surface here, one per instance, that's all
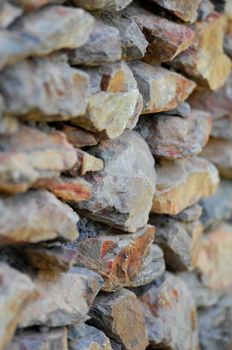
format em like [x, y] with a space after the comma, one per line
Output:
[85, 163]
[35, 218]
[222, 127]
[77, 136]
[111, 5]
[123, 191]
[120, 316]
[162, 90]
[190, 214]
[165, 306]
[182, 183]
[63, 299]
[173, 137]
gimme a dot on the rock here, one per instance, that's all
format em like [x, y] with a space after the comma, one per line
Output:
[165, 306]
[204, 61]
[30, 154]
[214, 259]
[190, 214]
[35, 219]
[123, 191]
[44, 89]
[110, 5]
[223, 6]
[64, 299]
[8, 13]
[185, 10]
[8, 126]
[85, 163]
[85, 337]
[154, 80]
[30, 5]
[115, 102]
[182, 110]
[77, 136]
[205, 9]
[120, 316]
[219, 152]
[172, 137]
[49, 340]
[228, 40]
[182, 183]
[16, 290]
[222, 127]
[103, 46]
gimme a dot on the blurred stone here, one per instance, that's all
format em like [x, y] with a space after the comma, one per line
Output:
[228, 40]
[30, 5]
[77, 136]
[85, 163]
[222, 127]
[190, 214]
[205, 9]
[182, 110]
[8, 13]
[8, 125]
[111, 5]
[224, 6]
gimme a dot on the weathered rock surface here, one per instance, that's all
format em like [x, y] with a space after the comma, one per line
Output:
[190, 214]
[173, 137]
[64, 298]
[111, 5]
[77, 136]
[182, 183]
[8, 13]
[222, 127]
[165, 306]
[44, 89]
[154, 80]
[85, 163]
[16, 289]
[123, 191]
[120, 316]
[35, 218]
[204, 60]
[182, 110]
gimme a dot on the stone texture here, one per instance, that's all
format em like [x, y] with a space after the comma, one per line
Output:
[31, 154]
[85, 163]
[77, 136]
[173, 137]
[154, 80]
[29, 5]
[115, 102]
[182, 183]
[55, 339]
[123, 191]
[204, 60]
[34, 219]
[8, 13]
[64, 298]
[111, 5]
[16, 289]
[44, 89]
[190, 214]
[228, 40]
[103, 46]
[165, 306]
[182, 110]
[222, 127]
[120, 316]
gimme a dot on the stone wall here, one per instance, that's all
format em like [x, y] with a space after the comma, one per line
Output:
[115, 175]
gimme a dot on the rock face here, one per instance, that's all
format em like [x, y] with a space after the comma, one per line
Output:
[182, 183]
[120, 316]
[35, 219]
[123, 191]
[113, 5]
[63, 299]
[172, 137]
[165, 305]
[16, 289]
[153, 80]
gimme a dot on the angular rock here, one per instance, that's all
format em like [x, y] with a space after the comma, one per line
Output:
[222, 127]
[30, 154]
[190, 214]
[204, 61]
[30, 5]
[35, 219]
[111, 5]
[85, 337]
[85, 163]
[172, 137]
[120, 316]
[219, 152]
[64, 299]
[154, 80]
[16, 290]
[8, 13]
[214, 259]
[55, 339]
[182, 183]
[77, 136]
[182, 110]
[103, 46]
[115, 102]
[165, 306]
[123, 191]
[44, 89]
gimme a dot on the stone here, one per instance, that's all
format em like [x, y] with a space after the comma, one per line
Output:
[77, 136]
[30, 5]
[85, 163]
[103, 46]
[182, 183]
[154, 80]
[185, 10]
[214, 259]
[173, 137]
[166, 305]
[123, 191]
[222, 127]
[190, 214]
[205, 61]
[115, 102]
[35, 219]
[63, 299]
[49, 340]
[16, 290]
[44, 89]
[223, 6]
[8, 13]
[182, 110]
[85, 337]
[120, 316]
[8, 125]
[110, 5]
[30, 154]
[219, 152]
[228, 40]
[205, 9]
